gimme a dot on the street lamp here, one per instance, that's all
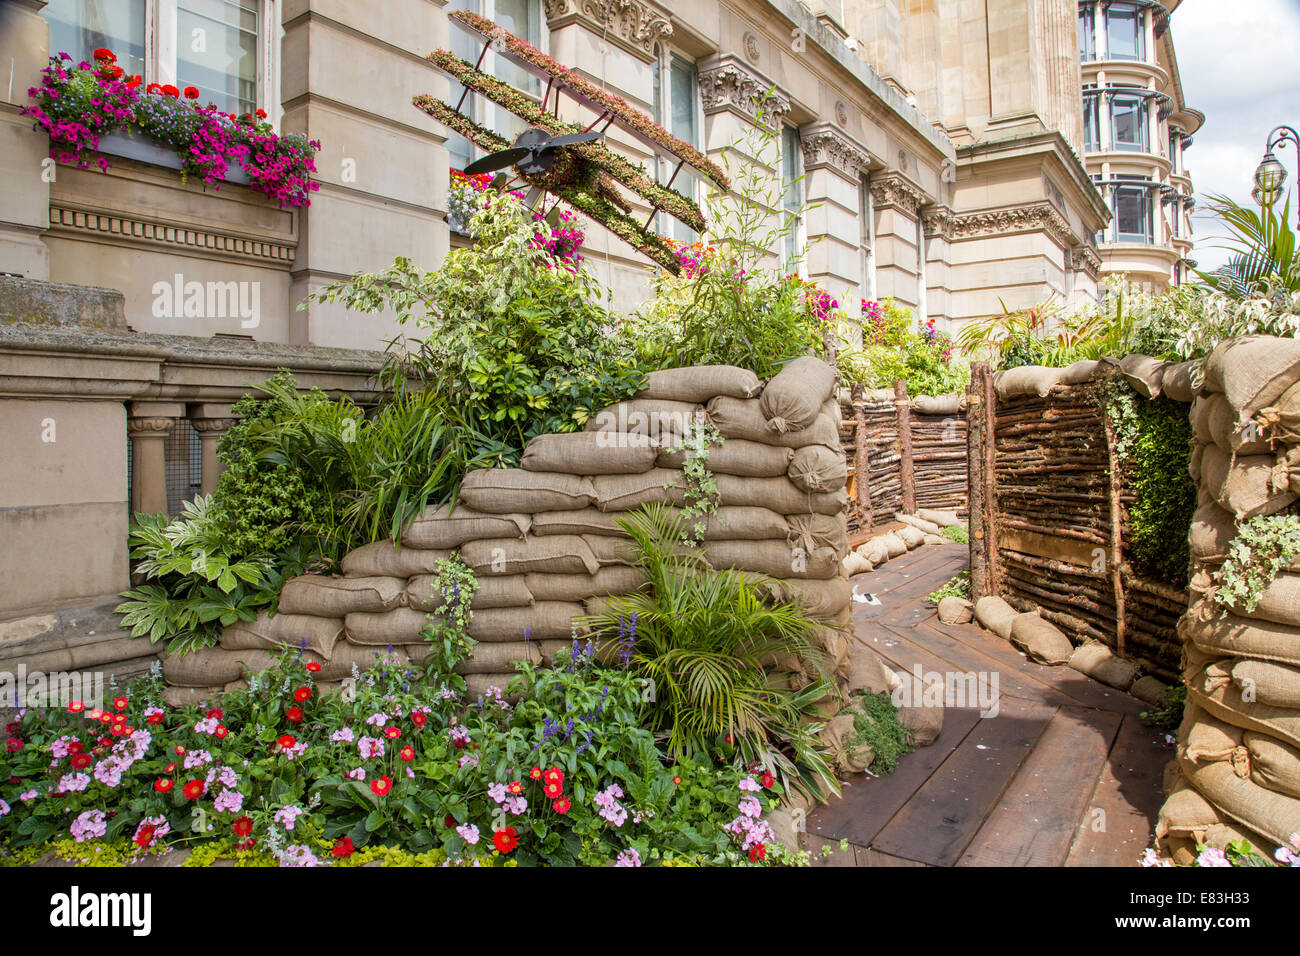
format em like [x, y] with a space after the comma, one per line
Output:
[1271, 174]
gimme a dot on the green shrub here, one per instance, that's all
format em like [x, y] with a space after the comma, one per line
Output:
[893, 350]
[957, 586]
[957, 533]
[1263, 546]
[876, 724]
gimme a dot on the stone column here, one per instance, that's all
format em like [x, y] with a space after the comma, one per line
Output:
[148, 425]
[833, 163]
[897, 202]
[25, 166]
[211, 422]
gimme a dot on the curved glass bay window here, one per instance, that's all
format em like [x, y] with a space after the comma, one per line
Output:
[1128, 114]
[1117, 29]
[1125, 32]
[1132, 204]
[1128, 122]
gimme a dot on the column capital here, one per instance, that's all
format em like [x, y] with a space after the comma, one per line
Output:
[729, 84]
[895, 191]
[936, 221]
[212, 427]
[149, 427]
[826, 146]
[632, 24]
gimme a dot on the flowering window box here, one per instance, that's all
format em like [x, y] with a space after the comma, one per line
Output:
[144, 150]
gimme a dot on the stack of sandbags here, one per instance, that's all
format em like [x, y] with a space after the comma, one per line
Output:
[1238, 763]
[919, 529]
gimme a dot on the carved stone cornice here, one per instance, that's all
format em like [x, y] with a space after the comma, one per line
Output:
[732, 85]
[1031, 217]
[826, 146]
[150, 427]
[893, 191]
[630, 23]
[1086, 259]
[169, 237]
[212, 426]
[936, 222]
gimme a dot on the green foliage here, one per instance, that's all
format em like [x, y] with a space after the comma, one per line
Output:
[876, 724]
[957, 533]
[702, 638]
[701, 491]
[1263, 546]
[1169, 713]
[956, 586]
[1153, 439]
[448, 630]
[893, 349]
[1263, 246]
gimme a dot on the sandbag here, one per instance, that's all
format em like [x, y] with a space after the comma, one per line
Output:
[1149, 690]
[628, 492]
[545, 620]
[1279, 602]
[324, 596]
[553, 554]
[811, 532]
[736, 418]
[665, 421]
[516, 491]
[920, 524]
[483, 685]
[1212, 531]
[868, 671]
[316, 634]
[794, 397]
[1100, 663]
[821, 600]
[699, 383]
[494, 590]
[590, 453]
[910, 537]
[735, 456]
[935, 539]
[1084, 370]
[742, 523]
[1026, 380]
[402, 625]
[875, 551]
[1273, 764]
[1253, 370]
[944, 519]
[609, 550]
[1213, 690]
[347, 656]
[779, 495]
[447, 528]
[949, 404]
[1280, 420]
[1273, 815]
[893, 543]
[854, 563]
[582, 521]
[956, 610]
[1245, 486]
[1227, 431]
[995, 614]
[817, 468]
[382, 559]
[1268, 682]
[1041, 640]
[617, 579]
[774, 558]
[210, 666]
[1178, 380]
[1233, 636]
[1143, 373]
[490, 658]
[191, 696]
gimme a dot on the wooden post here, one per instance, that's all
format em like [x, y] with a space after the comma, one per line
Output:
[861, 460]
[975, 419]
[1115, 559]
[988, 467]
[907, 468]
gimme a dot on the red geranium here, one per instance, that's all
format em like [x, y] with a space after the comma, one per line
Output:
[343, 847]
[757, 852]
[302, 695]
[561, 805]
[193, 790]
[191, 92]
[103, 54]
[768, 779]
[162, 784]
[261, 114]
[392, 733]
[80, 761]
[153, 88]
[133, 81]
[381, 786]
[114, 71]
[313, 667]
[506, 840]
[293, 715]
[242, 826]
[407, 753]
[169, 90]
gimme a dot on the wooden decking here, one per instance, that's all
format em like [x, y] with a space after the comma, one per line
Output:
[1065, 774]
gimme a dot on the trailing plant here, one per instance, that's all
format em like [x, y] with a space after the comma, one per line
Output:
[1168, 714]
[701, 490]
[448, 630]
[956, 586]
[1263, 546]
[876, 724]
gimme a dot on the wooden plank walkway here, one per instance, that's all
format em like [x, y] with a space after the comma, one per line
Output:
[1063, 774]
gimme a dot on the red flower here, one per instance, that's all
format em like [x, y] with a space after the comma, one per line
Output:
[193, 790]
[178, 750]
[506, 840]
[302, 695]
[392, 733]
[553, 788]
[191, 92]
[80, 761]
[242, 826]
[105, 718]
[13, 745]
[343, 847]
[154, 719]
[313, 667]
[449, 821]
[287, 741]
[561, 805]
[221, 731]
[169, 90]
[261, 114]
[246, 844]
[727, 739]
[162, 784]
[153, 88]
[515, 787]
[293, 715]
[381, 786]
[757, 852]
[114, 71]
[419, 719]
[119, 718]
[133, 81]
[117, 730]
[407, 753]
[535, 773]
[144, 836]
[677, 781]
[768, 779]
[76, 707]
[119, 703]
[170, 768]
[104, 54]
[215, 712]
[76, 747]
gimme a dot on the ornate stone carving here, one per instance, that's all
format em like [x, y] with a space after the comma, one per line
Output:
[1032, 217]
[936, 222]
[751, 48]
[826, 146]
[732, 85]
[635, 24]
[841, 113]
[893, 191]
[1086, 259]
[149, 427]
[212, 426]
[172, 237]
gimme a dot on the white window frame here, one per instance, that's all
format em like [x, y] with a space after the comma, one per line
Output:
[799, 265]
[867, 237]
[661, 113]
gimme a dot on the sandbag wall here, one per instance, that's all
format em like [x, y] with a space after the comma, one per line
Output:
[911, 450]
[1237, 771]
[544, 542]
[1050, 503]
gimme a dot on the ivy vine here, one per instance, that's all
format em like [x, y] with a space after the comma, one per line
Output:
[448, 631]
[1263, 546]
[701, 486]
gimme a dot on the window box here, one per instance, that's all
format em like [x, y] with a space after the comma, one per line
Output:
[142, 149]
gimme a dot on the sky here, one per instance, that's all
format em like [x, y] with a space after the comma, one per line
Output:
[1240, 66]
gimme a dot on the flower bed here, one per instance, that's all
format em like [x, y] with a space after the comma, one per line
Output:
[77, 105]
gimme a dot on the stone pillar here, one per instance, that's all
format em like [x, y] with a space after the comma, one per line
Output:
[897, 203]
[211, 422]
[24, 154]
[833, 163]
[148, 425]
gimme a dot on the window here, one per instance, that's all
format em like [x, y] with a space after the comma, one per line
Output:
[1128, 122]
[1131, 206]
[218, 46]
[1091, 124]
[1175, 155]
[867, 238]
[676, 107]
[1125, 32]
[1087, 33]
[792, 201]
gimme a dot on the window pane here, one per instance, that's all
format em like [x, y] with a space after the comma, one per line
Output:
[1087, 36]
[1128, 122]
[523, 18]
[1090, 124]
[216, 51]
[79, 27]
[792, 202]
[1124, 33]
[1132, 214]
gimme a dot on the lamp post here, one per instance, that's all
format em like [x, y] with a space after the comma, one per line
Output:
[1271, 174]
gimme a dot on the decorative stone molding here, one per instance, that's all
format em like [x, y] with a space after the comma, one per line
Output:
[936, 222]
[893, 191]
[139, 231]
[149, 427]
[1086, 259]
[631, 23]
[1032, 217]
[826, 146]
[731, 85]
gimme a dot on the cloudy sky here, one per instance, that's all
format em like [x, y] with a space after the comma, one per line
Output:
[1240, 65]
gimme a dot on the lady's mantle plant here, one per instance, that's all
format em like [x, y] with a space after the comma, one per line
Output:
[78, 104]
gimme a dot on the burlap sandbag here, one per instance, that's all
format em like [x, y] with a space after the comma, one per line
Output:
[699, 383]
[920, 524]
[1279, 602]
[735, 456]
[210, 666]
[628, 492]
[826, 601]
[736, 418]
[1227, 431]
[955, 610]
[779, 495]
[316, 634]
[811, 532]
[819, 469]
[1268, 682]
[1177, 382]
[496, 658]
[1079, 372]
[894, 545]
[1100, 663]
[774, 558]
[1026, 380]
[949, 404]
[910, 537]
[382, 559]
[325, 596]
[402, 625]
[582, 521]
[1246, 486]
[192, 696]
[590, 453]
[1232, 636]
[1213, 690]
[1194, 463]
[664, 421]
[995, 614]
[792, 399]
[1185, 813]
[935, 539]
[608, 550]
[483, 685]
[1041, 640]
[494, 590]
[1203, 738]
[1253, 370]
[552, 554]
[944, 519]
[1143, 373]
[516, 491]
[347, 655]
[545, 620]
[1273, 764]
[1280, 420]
[1212, 531]
[854, 563]
[1275, 816]
[617, 579]
[446, 527]
[875, 551]
[1199, 416]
